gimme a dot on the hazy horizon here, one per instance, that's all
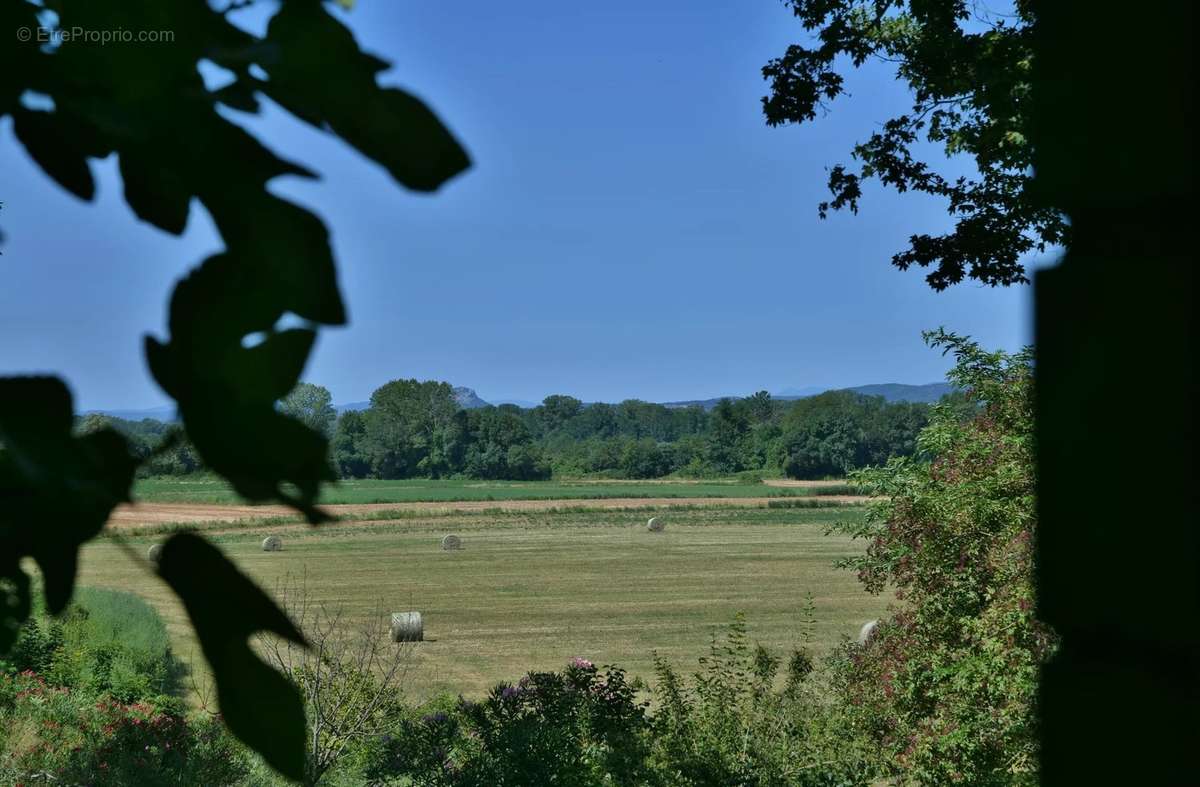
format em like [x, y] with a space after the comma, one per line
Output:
[785, 393]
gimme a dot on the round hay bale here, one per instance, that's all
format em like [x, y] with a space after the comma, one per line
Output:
[407, 627]
[153, 553]
[272, 544]
[866, 631]
[451, 542]
[656, 524]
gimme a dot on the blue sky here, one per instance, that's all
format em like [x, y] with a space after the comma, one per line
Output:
[631, 227]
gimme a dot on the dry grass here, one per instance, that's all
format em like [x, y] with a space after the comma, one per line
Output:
[137, 517]
[538, 587]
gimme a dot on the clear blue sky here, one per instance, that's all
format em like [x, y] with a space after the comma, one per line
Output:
[631, 227]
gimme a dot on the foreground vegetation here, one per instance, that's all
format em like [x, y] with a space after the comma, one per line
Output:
[577, 724]
[92, 697]
[947, 687]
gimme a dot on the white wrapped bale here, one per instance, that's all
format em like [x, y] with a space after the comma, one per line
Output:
[407, 627]
[866, 631]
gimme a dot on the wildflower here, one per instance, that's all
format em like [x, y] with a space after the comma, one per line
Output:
[581, 663]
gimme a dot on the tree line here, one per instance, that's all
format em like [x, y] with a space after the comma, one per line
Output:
[417, 429]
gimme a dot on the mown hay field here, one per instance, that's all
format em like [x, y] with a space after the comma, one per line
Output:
[529, 590]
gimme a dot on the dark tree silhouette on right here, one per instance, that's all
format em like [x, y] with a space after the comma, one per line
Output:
[968, 69]
[1118, 567]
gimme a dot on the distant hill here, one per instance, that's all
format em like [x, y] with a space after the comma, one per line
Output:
[891, 392]
[467, 398]
[165, 414]
[899, 392]
[707, 404]
[524, 404]
[798, 393]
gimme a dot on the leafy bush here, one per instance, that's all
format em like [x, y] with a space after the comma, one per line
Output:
[107, 642]
[734, 723]
[732, 726]
[54, 733]
[947, 686]
[83, 700]
[643, 459]
[580, 727]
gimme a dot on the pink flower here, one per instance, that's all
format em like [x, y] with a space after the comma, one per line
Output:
[581, 663]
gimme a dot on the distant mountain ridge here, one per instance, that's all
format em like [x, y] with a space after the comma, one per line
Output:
[469, 400]
[899, 392]
[926, 393]
[165, 414]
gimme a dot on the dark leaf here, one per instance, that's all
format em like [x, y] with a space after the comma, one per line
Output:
[56, 490]
[402, 134]
[238, 95]
[283, 249]
[259, 705]
[155, 192]
[55, 150]
[319, 74]
[227, 391]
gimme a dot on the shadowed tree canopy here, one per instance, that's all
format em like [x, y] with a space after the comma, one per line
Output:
[968, 69]
[226, 361]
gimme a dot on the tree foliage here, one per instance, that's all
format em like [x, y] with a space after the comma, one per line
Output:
[311, 405]
[969, 70]
[947, 685]
[413, 428]
[837, 432]
[499, 446]
[225, 362]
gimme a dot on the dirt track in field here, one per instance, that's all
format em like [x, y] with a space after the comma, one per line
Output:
[144, 514]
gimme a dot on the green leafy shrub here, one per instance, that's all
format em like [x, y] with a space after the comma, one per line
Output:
[947, 686]
[83, 701]
[58, 734]
[580, 726]
[736, 722]
[734, 726]
[106, 642]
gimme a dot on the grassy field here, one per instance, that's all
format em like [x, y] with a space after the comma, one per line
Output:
[216, 491]
[532, 589]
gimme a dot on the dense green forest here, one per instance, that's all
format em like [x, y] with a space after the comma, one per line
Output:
[417, 429]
